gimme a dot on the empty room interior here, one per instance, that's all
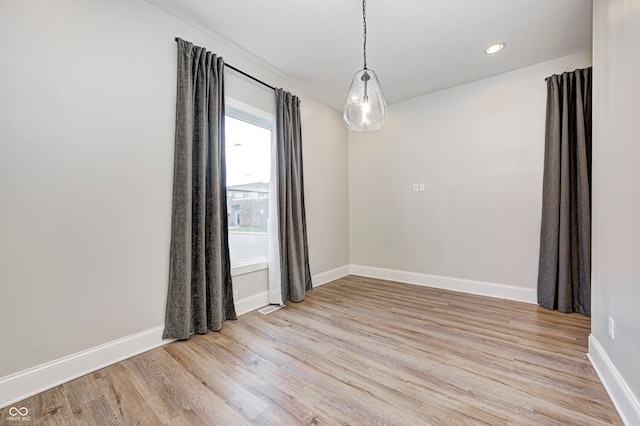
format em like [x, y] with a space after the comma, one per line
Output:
[335, 212]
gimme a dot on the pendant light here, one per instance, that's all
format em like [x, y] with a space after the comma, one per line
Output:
[365, 109]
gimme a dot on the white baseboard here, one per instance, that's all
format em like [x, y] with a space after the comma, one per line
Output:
[500, 291]
[625, 401]
[21, 385]
[332, 275]
[252, 303]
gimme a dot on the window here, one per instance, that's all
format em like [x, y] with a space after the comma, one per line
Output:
[248, 138]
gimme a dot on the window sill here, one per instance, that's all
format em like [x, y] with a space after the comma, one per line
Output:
[249, 266]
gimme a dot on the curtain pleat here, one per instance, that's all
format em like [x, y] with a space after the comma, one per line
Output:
[200, 294]
[294, 256]
[564, 275]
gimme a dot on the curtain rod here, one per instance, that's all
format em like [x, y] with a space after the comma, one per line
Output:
[250, 76]
[246, 74]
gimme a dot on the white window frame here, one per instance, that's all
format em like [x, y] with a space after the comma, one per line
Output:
[252, 115]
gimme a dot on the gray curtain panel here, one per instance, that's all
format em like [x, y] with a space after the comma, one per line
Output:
[564, 276]
[294, 256]
[200, 296]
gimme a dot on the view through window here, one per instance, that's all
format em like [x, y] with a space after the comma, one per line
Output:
[248, 161]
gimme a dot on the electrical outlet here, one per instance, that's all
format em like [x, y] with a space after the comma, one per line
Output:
[415, 187]
[612, 329]
[422, 187]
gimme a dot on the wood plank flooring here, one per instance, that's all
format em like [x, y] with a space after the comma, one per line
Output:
[357, 351]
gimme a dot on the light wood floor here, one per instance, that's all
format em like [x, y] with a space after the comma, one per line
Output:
[357, 351]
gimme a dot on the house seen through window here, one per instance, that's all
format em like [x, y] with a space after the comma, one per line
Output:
[248, 160]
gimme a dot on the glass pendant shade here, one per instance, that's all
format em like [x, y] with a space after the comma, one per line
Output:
[365, 109]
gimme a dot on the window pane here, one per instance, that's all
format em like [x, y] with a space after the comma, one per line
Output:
[248, 156]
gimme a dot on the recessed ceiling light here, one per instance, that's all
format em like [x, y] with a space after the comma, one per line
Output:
[495, 48]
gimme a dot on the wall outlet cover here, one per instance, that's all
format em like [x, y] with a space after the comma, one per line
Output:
[612, 329]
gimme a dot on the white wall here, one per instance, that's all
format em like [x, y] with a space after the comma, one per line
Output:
[616, 201]
[479, 149]
[87, 110]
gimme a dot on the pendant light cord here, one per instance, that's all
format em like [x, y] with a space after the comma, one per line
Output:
[364, 24]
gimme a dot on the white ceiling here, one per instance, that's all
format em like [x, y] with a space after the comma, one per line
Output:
[415, 46]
